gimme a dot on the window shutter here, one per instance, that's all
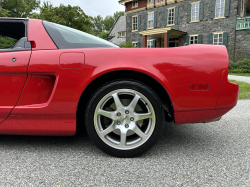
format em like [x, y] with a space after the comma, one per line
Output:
[139, 23]
[201, 10]
[212, 11]
[131, 23]
[176, 16]
[210, 38]
[165, 17]
[138, 45]
[200, 39]
[146, 21]
[154, 43]
[227, 7]
[225, 37]
[187, 39]
[155, 19]
[188, 12]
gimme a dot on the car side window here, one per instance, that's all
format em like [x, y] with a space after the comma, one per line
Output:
[13, 35]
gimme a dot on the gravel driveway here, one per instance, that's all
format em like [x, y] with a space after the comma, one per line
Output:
[215, 154]
[239, 78]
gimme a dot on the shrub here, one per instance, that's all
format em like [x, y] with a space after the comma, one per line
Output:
[242, 66]
[127, 44]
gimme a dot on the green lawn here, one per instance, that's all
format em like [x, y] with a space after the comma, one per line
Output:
[240, 74]
[244, 89]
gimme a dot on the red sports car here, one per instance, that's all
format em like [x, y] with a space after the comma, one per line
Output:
[57, 80]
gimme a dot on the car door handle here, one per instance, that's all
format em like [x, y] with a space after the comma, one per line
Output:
[14, 59]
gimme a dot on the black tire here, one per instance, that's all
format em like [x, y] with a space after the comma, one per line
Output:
[139, 88]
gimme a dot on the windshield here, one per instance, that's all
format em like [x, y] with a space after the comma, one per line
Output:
[68, 38]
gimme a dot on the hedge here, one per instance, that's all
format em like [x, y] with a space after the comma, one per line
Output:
[242, 66]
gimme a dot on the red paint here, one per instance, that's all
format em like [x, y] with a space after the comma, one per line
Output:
[39, 89]
[199, 87]
[48, 103]
[12, 79]
[38, 36]
[72, 60]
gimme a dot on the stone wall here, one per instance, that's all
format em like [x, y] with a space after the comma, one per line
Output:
[242, 45]
[204, 27]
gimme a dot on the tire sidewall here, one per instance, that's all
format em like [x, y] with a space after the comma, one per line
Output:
[148, 93]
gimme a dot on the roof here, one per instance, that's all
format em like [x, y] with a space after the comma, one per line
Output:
[124, 1]
[120, 23]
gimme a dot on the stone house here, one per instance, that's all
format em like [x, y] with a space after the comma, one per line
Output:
[117, 33]
[172, 23]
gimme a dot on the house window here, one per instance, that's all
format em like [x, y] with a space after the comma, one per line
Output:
[150, 19]
[135, 23]
[195, 11]
[135, 44]
[193, 39]
[150, 44]
[171, 16]
[150, 1]
[122, 34]
[218, 39]
[220, 8]
[134, 4]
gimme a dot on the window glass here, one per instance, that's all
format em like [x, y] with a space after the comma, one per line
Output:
[135, 23]
[218, 39]
[150, 19]
[68, 38]
[135, 3]
[135, 44]
[171, 16]
[10, 33]
[194, 39]
[195, 11]
[150, 1]
[150, 44]
[220, 8]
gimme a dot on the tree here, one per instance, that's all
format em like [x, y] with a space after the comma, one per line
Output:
[20, 8]
[104, 24]
[71, 16]
[103, 35]
[98, 26]
[4, 13]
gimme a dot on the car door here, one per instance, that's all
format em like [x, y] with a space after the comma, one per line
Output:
[14, 62]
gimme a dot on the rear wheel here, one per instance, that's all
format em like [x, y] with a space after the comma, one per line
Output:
[124, 118]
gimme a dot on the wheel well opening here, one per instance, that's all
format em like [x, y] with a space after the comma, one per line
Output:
[150, 82]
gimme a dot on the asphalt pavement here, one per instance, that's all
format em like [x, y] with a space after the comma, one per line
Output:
[214, 154]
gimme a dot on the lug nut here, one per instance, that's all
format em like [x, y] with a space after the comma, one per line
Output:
[127, 112]
[118, 114]
[118, 122]
[126, 125]
[132, 119]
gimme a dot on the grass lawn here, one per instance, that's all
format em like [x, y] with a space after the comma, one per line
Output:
[244, 89]
[240, 74]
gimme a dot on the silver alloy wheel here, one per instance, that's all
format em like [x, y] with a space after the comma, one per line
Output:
[127, 129]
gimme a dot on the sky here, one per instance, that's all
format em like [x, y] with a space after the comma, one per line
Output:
[93, 7]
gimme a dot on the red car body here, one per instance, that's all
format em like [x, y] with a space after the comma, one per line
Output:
[41, 90]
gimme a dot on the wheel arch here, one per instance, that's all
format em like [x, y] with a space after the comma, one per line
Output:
[112, 76]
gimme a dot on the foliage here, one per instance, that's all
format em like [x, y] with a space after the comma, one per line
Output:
[4, 13]
[71, 16]
[244, 92]
[104, 24]
[127, 44]
[242, 66]
[20, 8]
[6, 42]
[98, 26]
[240, 74]
[109, 21]
[103, 35]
